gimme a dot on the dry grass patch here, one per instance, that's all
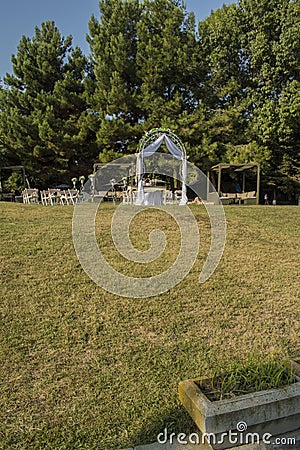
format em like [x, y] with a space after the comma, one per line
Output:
[82, 368]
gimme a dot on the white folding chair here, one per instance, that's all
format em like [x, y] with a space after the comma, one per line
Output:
[54, 196]
[72, 196]
[45, 198]
[64, 198]
[25, 196]
[168, 197]
[133, 197]
[125, 198]
[30, 196]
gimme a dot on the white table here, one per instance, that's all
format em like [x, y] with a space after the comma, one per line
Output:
[153, 197]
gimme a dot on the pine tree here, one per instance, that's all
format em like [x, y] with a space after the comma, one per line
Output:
[113, 43]
[146, 69]
[43, 107]
[273, 49]
[219, 45]
[167, 61]
[251, 51]
[224, 89]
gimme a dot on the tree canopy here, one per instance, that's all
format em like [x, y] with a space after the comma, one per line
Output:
[43, 108]
[228, 86]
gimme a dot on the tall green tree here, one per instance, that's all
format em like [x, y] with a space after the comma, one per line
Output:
[251, 52]
[288, 131]
[272, 44]
[146, 69]
[167, 61]
[43, 107]
[224, 89]
[113, 44]
[219, 45]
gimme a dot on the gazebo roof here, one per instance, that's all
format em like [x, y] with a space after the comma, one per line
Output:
[234, 167]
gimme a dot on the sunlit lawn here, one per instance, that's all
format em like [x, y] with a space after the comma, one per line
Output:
[82, 368]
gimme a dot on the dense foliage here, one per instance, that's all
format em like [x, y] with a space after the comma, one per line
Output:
[229, 88]
[43, 115]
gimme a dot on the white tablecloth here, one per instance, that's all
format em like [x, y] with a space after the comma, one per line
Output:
[153, 197]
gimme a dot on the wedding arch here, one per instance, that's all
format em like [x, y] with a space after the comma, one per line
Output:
[148, 145]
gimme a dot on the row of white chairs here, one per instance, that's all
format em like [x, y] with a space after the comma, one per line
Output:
[129, 197]
[51, 197]
[59, 197]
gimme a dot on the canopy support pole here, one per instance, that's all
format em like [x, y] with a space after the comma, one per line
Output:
[244, 182]
[219, 180]
[258, 184]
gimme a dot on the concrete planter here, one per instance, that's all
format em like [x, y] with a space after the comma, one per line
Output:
[272, 412]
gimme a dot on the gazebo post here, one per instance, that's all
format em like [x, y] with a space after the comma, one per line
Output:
[244, 181]
[258, 184]
[219, 179]
[207, 184]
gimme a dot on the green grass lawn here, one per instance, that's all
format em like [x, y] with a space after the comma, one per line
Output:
[85, 369]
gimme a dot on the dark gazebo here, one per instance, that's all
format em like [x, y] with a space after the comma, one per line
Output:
[229, 181]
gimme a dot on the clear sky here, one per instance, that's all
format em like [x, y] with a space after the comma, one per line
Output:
[19, 17]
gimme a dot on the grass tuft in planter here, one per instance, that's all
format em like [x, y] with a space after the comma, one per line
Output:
[252, 376]
[262, 395]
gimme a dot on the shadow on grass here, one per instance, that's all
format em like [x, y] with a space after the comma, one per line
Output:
[175, 420]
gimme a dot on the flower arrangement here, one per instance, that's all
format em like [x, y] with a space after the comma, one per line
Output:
[81, 179]
[74, 181]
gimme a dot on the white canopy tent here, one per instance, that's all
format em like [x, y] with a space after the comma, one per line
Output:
[176, 149]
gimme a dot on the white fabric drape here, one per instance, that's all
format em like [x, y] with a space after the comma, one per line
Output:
[149, 151]
[184, 198]
[139, 175]
[152, 148]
